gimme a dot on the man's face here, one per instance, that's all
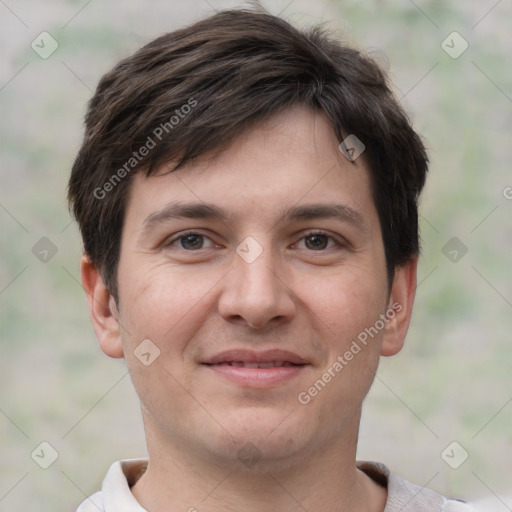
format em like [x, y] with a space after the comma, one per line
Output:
[252, 274]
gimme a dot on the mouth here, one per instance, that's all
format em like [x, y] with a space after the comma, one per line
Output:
[246, 364]
[257, 369]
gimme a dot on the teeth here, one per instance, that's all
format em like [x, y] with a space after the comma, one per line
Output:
[269, 364]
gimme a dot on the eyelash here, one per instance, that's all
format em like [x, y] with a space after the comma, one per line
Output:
[181, 236]
[330, 238]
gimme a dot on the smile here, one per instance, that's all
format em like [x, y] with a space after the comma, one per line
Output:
[256, 369]
[246, 364]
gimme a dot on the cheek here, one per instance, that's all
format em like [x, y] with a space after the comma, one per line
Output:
[350, 356]
[345, 302]
[163, 305]
[159, 304]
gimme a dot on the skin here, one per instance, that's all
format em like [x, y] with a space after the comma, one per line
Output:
[310, 299]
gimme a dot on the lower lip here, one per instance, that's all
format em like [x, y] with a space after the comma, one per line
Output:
[257, 377]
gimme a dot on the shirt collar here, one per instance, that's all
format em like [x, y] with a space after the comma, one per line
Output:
[403, 496]
[116, 491]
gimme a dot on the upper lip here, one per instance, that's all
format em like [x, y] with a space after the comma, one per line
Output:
[249, 356]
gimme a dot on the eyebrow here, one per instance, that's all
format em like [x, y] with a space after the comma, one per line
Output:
[325, 211]
[176, 210]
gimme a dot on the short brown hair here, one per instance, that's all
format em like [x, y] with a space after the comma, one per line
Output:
[200, 87]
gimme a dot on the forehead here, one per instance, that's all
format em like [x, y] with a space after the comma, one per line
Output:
[290, 159]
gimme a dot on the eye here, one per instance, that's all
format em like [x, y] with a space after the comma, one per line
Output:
[191, 242]
[317, 242]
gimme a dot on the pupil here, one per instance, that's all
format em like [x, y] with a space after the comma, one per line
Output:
[191, 242]
[316, 242]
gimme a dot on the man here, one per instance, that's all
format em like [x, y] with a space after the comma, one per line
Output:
[247, 197]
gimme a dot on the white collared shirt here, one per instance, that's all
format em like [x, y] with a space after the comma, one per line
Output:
[403, 496]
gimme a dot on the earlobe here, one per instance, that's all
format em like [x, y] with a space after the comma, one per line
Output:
[103, 310]
[399, 310]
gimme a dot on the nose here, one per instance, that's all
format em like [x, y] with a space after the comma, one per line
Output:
[255, 294]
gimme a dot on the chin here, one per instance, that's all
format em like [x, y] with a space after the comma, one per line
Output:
[262, 439]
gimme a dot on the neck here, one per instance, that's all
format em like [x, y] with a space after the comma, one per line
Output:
[322, 478]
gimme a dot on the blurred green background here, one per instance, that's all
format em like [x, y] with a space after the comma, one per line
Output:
[452, 382]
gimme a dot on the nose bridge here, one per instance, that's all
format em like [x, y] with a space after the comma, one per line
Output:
[257, 276]
[254, 291]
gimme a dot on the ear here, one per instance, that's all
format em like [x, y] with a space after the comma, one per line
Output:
[104, 314]
[399, 309]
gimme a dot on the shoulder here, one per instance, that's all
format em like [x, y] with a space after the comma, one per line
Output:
[458, 506]
[115, 492]
[93, 503]
[404, 496]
